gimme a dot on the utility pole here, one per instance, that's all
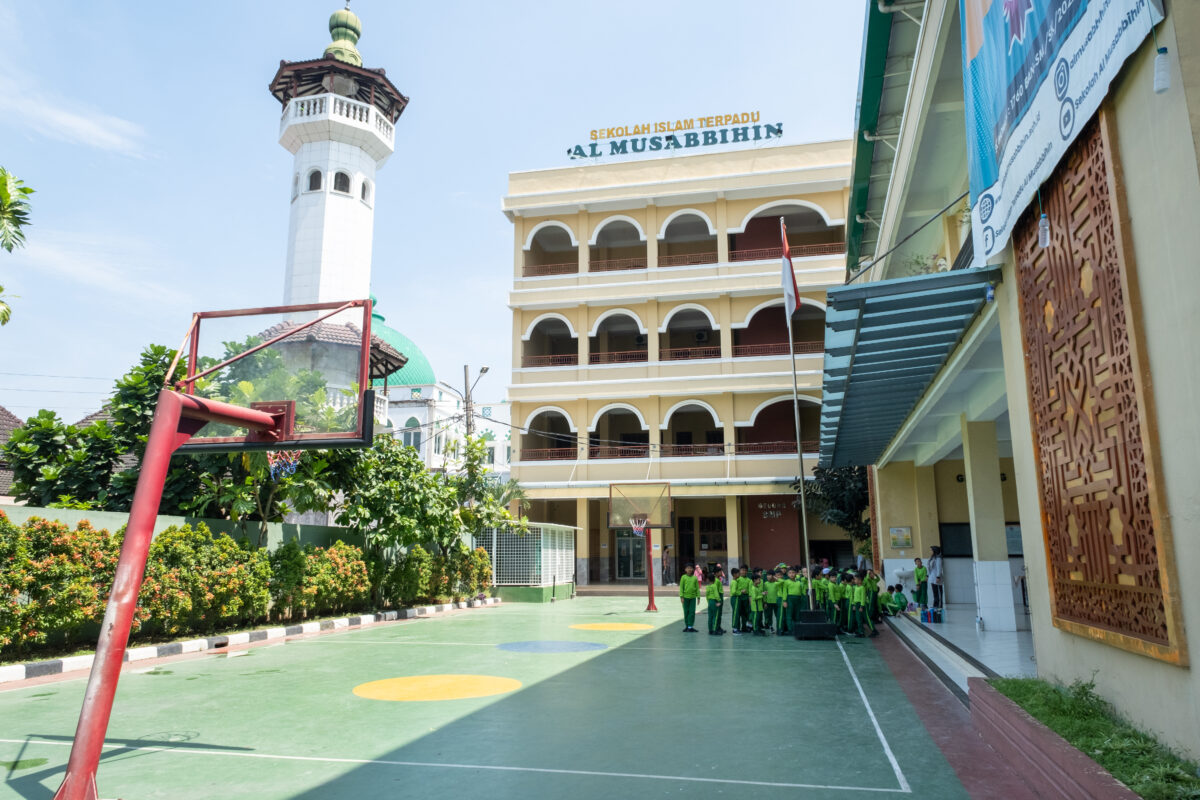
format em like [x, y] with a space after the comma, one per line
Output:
[467, 399]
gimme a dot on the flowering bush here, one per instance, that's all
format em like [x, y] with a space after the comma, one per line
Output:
[336, 578]
[54, 581]
[483, 569]
[414, 574]
[197, 581]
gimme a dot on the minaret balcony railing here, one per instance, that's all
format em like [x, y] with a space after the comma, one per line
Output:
[319, 107]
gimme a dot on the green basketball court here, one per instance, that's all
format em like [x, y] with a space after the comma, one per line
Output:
[575, 699]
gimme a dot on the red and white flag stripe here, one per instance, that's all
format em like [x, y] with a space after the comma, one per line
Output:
[791, 292]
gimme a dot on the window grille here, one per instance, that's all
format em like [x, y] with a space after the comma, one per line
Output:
[542, 557]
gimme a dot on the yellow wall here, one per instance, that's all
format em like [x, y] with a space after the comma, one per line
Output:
[1162, 188]
[952, 495]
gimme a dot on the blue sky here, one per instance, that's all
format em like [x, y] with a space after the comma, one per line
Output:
[150, 137]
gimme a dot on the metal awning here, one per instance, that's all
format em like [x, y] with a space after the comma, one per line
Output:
[884, 344]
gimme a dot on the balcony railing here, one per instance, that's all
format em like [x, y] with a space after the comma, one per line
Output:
[618, 357]
[541, 270]
[798, 251]
[685, 353]
[620, 451]
[774, 448]
[692, 450]
[776, 349]
[688, 259]
[547, 453]
[315, 107]
[614, 264]
[565, 360]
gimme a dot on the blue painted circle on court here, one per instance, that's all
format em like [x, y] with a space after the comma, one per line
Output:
[551, 647]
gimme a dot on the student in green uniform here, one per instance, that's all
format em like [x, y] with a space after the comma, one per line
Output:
[756, 606]
[770, 601]
[871, 581]
[714, 592]
[741, 622]
[735, 597]
[862, 625]
[921, 576]
[797, 587]
[689, 592]
[883, 603]
[899, 600]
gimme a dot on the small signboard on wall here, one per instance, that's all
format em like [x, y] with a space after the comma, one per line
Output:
[901, 537]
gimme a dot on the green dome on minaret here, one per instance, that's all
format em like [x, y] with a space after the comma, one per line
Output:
[345, 28]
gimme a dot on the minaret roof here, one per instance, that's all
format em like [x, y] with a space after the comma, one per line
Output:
[345, 27]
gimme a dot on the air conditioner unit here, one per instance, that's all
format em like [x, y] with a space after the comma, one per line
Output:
[701, 337]
[640, 339]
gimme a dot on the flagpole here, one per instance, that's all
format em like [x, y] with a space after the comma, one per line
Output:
[796, 414]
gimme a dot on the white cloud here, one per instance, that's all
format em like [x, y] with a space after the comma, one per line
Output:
[66, 120]
[119, 264]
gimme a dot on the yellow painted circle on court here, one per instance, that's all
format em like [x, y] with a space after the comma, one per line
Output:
[421, 688]
[612, 626]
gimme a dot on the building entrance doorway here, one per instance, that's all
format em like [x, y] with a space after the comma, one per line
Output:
[631, 556]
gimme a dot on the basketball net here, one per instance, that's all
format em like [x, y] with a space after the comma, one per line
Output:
[638, 525]
[283, 462]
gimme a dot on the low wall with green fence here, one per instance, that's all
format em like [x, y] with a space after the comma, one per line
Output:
[277, 532]
[535, 594]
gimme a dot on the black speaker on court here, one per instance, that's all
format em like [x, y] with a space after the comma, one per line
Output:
[814, 625]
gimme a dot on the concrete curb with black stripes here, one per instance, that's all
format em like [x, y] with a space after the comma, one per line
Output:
[56, 666]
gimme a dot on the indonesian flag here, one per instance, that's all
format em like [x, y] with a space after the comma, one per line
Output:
[791, 293]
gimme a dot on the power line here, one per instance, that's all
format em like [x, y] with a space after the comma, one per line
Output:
[57, 391]
[45, 375]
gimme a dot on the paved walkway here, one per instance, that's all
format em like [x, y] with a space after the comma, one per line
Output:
[589, 698]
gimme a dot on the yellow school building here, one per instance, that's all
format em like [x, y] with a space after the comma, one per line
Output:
[650, 345]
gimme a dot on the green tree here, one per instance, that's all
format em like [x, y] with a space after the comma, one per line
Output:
[393, 499]
[14, 217]
[14, 210]
[53, 461]
[481, 501]
[839, 496]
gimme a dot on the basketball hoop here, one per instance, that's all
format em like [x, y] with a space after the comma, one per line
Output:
[283, 462]
[638, 525]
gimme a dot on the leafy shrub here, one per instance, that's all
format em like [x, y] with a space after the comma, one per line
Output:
[414, 575]
[196, 581]
[288, 564]
[483, 569]
[54, 581]
[441, 577]
[336, 578]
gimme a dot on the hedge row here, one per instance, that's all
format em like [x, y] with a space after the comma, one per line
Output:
[55, 580]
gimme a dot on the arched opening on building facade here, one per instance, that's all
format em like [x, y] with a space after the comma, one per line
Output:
[618, 245]
[693, 430]
[619, 433]
[411, 435]
[688, 239]
[618, 340]
[690, 334]
[773, 430]
[551, 251]
[808, 234]
[548, 437]
[766, 332]
[551, 343]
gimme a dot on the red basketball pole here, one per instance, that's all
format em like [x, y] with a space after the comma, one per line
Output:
[176, 419]
[650, 567]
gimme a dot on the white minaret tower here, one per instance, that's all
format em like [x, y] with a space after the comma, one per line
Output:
[338, 121]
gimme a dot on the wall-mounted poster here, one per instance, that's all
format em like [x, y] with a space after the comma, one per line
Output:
[901, 537]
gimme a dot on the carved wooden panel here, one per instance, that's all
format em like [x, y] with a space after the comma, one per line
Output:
[1096, 496]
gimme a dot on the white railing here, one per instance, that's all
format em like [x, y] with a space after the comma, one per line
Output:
[337, 401]
[325, 106]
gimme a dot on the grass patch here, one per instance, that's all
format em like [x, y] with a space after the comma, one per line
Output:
[1088, 722]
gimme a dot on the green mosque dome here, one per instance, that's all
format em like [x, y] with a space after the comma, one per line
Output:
[417, 372]
[345, 27]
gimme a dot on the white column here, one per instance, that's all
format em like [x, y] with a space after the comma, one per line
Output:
[994, 599]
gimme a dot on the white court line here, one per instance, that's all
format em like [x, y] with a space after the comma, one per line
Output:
[904, 787]
[490, 767]
[614, 649]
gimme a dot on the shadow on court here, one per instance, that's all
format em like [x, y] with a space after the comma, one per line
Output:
[666, 713]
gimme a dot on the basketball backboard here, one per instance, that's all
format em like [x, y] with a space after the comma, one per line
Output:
[651, 501]
[309, 366]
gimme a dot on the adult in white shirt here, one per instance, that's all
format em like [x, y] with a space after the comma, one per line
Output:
[934, 565]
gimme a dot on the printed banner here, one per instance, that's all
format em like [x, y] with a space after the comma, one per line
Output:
[1033, 72]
